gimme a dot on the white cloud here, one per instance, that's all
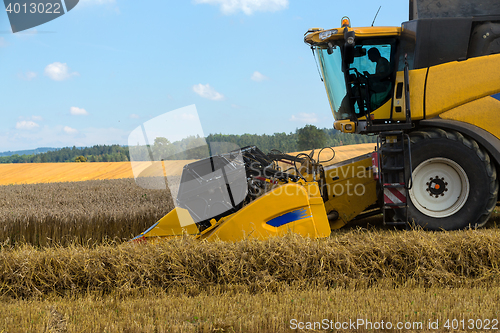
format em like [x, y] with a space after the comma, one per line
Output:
[134, 116]
[206, 91]
[70, 130]
[34, 118]
[28, 76]
[26, 125]
[257, 76]
[59, 71]
[308, 118]
[3, 43]
[75, 111]
[247, 6]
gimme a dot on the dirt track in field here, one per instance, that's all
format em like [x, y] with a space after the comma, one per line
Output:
[32, 173]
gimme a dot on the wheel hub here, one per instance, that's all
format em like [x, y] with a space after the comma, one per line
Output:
[440, 187]
[436, 186]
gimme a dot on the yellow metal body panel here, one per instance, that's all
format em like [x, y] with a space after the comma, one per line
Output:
[294, 207]
[363, 32]
[292, 199]
[456, 83]
[417, 88]
[383, 112]
[482, 113]
[176, 223]
[351, 188]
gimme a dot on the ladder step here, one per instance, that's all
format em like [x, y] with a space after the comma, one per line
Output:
[394, 146]
[392, 205]
[395, 223]
[394, 186]
[392, 168]
[391, 150]
[390, 133]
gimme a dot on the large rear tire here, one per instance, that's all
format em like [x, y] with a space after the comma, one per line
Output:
[454, 182]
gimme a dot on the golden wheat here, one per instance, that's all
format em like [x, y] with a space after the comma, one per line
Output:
[183, 285]
[81, 212]
[32, 173]
[253, 313]
[348, 259]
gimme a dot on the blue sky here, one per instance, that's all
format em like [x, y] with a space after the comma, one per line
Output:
[94, 74]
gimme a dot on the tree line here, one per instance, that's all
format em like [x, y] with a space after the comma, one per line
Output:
[305, 138]
[98, 153]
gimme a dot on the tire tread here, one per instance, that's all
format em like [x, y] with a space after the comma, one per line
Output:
[437, 133]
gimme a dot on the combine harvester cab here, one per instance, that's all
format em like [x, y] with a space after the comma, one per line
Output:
[223, 192]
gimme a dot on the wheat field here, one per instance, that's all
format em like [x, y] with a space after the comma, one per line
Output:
[412, 277]
[65, 266]
[36, 173]
[92, 212]
[32, 173]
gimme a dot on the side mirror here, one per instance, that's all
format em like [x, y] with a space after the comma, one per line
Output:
[330, 48]
[349, 44]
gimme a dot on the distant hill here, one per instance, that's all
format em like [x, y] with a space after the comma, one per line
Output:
[28, 152]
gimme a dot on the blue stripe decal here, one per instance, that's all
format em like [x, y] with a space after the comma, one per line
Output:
[497, 96]
[145, 232]
[295, 215]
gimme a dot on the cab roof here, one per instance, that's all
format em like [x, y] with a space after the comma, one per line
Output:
[317, 36]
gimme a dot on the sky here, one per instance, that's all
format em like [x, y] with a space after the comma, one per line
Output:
[96, 73]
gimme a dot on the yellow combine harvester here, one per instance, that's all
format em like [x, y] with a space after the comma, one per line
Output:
[430, 91]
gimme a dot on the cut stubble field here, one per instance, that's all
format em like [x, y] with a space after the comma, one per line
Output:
[182, 285]
[256, 313]
[65, 266]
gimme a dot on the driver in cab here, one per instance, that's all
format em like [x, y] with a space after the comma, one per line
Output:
[379, 83]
